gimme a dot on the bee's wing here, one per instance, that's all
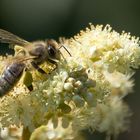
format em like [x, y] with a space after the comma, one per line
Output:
[7, 37]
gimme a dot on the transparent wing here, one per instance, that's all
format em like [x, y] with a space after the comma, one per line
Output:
[7, 37]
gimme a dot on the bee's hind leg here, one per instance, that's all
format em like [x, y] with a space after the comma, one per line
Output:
[27, 80]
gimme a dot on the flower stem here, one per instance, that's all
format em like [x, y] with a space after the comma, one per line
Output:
[111, 137]
[26, 133]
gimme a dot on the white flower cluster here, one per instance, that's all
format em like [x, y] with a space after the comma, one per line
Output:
[85, 91]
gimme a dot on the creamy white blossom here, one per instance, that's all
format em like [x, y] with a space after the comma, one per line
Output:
[86, 89]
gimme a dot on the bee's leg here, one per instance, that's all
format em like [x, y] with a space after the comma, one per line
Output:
[38, 68]
[27, 80]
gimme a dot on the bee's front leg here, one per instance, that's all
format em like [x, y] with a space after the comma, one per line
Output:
[38, 68]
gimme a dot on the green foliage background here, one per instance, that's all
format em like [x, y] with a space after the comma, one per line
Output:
[40, 19]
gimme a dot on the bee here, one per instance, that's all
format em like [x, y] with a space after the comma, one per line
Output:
[37, 52]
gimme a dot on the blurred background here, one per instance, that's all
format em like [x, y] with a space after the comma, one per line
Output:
[40, 19]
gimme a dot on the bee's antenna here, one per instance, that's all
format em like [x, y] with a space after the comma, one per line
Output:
[66, 50]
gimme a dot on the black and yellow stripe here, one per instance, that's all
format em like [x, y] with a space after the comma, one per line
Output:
[10, 77]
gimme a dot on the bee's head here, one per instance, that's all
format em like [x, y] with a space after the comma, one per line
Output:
[53, 50]
[43, 51]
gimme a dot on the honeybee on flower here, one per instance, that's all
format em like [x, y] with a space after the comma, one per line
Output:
[86, 92]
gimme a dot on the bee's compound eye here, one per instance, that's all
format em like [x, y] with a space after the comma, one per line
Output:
[51, 51]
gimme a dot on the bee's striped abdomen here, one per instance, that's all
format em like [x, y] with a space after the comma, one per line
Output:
[10, 77]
